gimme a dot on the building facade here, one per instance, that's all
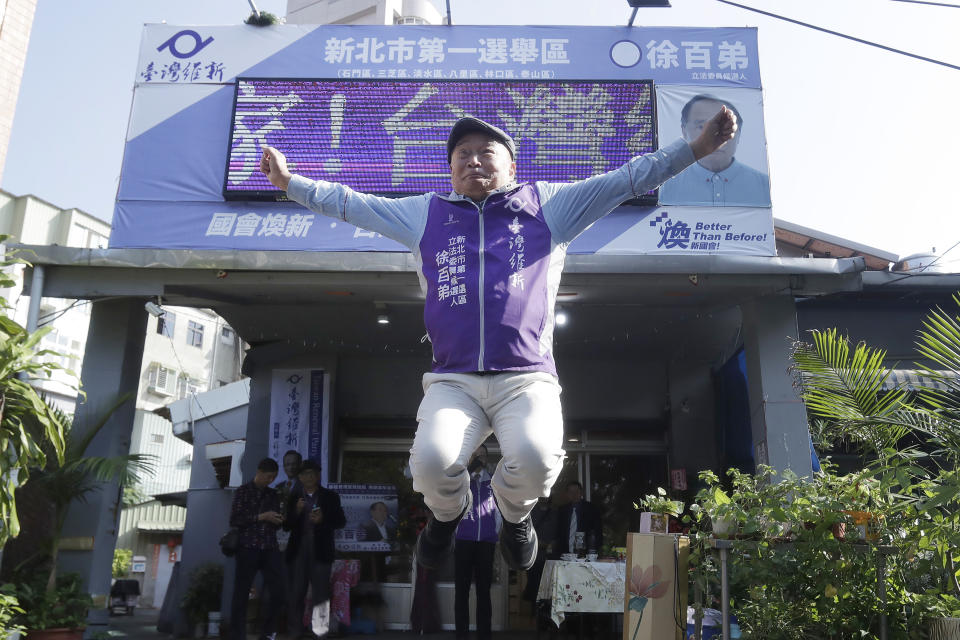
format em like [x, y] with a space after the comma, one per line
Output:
[16, 22]
[186, 351]
[28, 219]
[368, 12]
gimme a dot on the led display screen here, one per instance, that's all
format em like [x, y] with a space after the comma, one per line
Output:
[389, 137]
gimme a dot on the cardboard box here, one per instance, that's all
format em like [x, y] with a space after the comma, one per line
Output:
[655, 597]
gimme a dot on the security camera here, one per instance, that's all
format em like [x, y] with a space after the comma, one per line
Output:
[155, 310]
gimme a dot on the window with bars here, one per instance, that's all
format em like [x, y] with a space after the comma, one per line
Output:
[187, 387]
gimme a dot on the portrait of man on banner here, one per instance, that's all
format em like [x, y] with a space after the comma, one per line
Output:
[735, 175]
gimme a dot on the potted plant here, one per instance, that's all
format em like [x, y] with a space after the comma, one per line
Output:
[656, 511]
[203, 594]
[10, 609]
[58, 614]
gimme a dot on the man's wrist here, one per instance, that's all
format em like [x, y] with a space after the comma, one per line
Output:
[283, 181]
[698, 149]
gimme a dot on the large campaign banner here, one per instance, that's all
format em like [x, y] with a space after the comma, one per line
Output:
[371, 106]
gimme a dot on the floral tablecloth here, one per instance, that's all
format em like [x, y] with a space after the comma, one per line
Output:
[582, 587]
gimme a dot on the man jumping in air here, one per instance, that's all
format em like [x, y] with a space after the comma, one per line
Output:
[490, 256]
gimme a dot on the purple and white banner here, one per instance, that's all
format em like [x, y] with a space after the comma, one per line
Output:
[181, 55]
[299, 417]
[371, 106]
[688, 231]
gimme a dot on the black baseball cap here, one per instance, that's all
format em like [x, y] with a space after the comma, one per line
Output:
[467, 125]
[309, 465]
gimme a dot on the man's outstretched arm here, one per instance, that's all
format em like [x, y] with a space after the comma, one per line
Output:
[571, 208]
[400, 219]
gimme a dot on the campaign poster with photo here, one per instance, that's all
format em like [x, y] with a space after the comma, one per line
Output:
[372, 516]
[735, 175]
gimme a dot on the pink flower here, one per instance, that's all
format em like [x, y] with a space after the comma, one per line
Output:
[646, 583]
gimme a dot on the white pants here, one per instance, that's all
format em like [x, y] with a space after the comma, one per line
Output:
[459, 411]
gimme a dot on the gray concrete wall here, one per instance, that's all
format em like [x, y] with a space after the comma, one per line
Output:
[208, 506]
[111, 365]
[693, 441]
[891, 328]
[778, 418]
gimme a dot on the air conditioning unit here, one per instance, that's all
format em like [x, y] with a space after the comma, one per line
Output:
[164, 381]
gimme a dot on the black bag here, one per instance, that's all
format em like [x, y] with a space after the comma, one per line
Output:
[230, 542]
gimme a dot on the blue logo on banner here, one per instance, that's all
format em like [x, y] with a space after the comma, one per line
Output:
[198, 43]
[672, 234]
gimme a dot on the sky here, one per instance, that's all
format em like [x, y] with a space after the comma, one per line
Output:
[859, 140]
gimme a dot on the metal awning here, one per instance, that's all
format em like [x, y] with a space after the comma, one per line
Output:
[914, 380]
[159, 526]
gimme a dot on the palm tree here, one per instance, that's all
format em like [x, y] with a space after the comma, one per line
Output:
[29, 430]
[72, 479]
[914, 435]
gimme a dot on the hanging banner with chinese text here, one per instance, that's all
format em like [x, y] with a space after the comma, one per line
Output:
[299, 419]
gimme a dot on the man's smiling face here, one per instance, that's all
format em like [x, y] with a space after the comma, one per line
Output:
[480, 165]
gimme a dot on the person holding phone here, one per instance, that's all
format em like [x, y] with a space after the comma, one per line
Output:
[256, 512]
[313, 514]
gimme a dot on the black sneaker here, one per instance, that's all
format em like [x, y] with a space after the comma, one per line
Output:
[436, 542]
[518, 544]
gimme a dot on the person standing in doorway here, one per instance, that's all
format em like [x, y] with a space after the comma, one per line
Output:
[578, 516]
[313, 514]
[473, 552]
[257, 513]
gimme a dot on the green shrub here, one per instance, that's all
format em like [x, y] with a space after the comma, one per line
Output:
[203, 592]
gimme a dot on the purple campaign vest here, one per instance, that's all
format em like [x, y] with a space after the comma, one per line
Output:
[486, 283]
[479, 523]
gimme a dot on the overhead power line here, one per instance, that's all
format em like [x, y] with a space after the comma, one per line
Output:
[936, 4]
[842, 35]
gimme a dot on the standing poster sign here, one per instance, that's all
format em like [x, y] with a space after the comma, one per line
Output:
[299, 416]
[371, 511]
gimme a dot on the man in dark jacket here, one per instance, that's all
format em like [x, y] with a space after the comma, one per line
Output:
[313, 513]
[256, 512]
[577, 516]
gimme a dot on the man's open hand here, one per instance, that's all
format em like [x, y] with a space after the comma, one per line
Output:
[720, 129]
[274, 165]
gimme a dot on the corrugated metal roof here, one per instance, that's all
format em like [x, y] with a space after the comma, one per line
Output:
[825, 245]
[153, 517]
[914, 380]
[162, 527]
